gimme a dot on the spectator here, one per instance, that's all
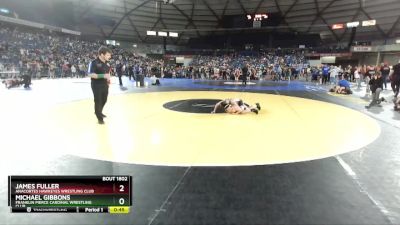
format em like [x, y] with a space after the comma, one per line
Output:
[376, 85]
[395, 79]
[385, 70]
[357, 76]
[325, 74]
[73, 71]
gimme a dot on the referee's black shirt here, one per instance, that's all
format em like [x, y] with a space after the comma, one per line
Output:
[98, 67]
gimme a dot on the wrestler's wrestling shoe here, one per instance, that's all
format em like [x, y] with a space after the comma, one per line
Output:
[258, 106]
[101, 122]
[254, 111]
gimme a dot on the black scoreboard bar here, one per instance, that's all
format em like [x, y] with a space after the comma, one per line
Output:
[70, 194]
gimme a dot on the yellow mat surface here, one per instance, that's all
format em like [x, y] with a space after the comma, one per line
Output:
[140, 130]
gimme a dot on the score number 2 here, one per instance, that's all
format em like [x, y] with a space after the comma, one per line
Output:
[121, 201]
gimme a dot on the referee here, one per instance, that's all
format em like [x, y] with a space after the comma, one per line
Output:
[99, 72]
[245, 71]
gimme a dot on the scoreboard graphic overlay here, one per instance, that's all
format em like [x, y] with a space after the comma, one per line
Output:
[70, 194]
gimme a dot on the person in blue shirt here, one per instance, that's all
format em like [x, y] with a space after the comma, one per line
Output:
[315, 73]
[325, 74]
[343, 87]
[344, 83]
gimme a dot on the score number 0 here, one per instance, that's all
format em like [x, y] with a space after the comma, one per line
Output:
[121, 189]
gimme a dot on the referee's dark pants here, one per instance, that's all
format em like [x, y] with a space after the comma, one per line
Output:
[325, 79]
[244, 80]
[120, 79]
[395, 86]
[100, 93]
[131, 75]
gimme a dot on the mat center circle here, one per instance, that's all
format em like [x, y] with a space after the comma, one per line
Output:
[192, 105]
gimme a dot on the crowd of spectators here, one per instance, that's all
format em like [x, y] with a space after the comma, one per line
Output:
[39, 53]
[279, 64]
